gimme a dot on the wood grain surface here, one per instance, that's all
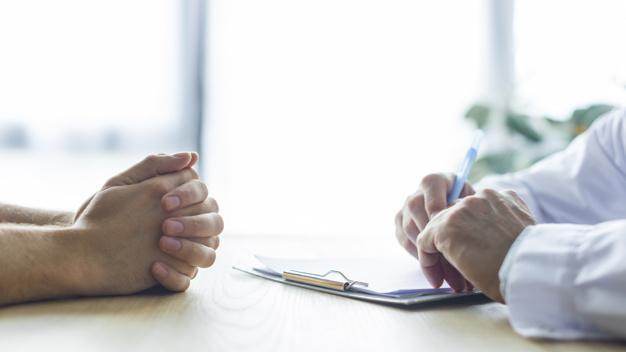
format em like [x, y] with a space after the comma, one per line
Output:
[226, 310]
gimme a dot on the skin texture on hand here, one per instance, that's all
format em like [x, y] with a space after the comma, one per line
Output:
[16, 214]
[120, 240]
[419, 208]
[192, 225]
[463, 244]
[39, 262]
[121, 226]
[474, 236]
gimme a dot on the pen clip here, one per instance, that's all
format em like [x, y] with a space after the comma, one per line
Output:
[322, 280]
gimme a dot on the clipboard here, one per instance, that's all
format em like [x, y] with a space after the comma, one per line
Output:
[336, 283]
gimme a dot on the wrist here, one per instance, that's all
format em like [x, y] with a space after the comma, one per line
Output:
[71, 269]
[39, 262]
[83, 268]
[507, 263]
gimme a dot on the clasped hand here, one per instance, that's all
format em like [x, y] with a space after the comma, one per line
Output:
[153, 223]
[465, 243]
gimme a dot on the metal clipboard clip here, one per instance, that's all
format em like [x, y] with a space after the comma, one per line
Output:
[339, 283]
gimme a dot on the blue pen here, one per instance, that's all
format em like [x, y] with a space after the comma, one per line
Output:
[466, 167]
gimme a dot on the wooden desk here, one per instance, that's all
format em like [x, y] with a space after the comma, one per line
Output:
[230, 311]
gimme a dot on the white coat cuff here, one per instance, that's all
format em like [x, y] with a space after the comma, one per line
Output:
[538, 275]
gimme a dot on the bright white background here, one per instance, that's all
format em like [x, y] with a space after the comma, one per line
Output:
[569, 53]
[321, 115]
[324, 115]
[86, 89]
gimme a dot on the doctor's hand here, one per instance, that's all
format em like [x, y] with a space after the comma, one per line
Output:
[474, 236]
[419, 208]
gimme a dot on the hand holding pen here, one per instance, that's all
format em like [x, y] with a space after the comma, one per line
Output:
[435, 193]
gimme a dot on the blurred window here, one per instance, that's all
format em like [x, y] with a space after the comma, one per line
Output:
[323, 115]
[86, 88]
[569, 53]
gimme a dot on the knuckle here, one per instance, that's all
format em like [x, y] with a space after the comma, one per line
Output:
[489, 193]
[407, 228]
[192, 224]
[204, 189]
[151, 158]
[184, 193]
[456, 215]
[416, 202]
[421, 242]
[158, 187]
[211, 206]
[111, 182]
[443, 241]
[512, 193]
[192, 174]
[430, 179]
[473, 202]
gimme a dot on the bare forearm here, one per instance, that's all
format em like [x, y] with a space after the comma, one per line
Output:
[39, 262]
[23, 215]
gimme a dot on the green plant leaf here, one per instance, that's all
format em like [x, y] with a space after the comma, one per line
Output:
[495, 163]
[479, 113]
[520, 123]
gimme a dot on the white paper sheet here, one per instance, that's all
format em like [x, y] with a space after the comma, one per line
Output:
[388, 277]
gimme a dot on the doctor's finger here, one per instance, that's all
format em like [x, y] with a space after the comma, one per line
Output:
[417, 211]
[435, 188]
[467, 190]
[432, 268]
[402, 237]
[430, 258]
[453, 277]
[408, 226]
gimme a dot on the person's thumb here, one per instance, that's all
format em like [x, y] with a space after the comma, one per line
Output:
[153, 165]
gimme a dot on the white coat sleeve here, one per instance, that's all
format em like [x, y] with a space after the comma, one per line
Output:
[565, 281]
[565, 278]
[584, 184]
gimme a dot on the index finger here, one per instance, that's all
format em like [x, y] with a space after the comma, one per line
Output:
[435, 188]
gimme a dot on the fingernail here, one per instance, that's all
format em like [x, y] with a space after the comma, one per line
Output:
[170, 244]
[181, 155]
[171, 202]
[173, 227]
[160, 270]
